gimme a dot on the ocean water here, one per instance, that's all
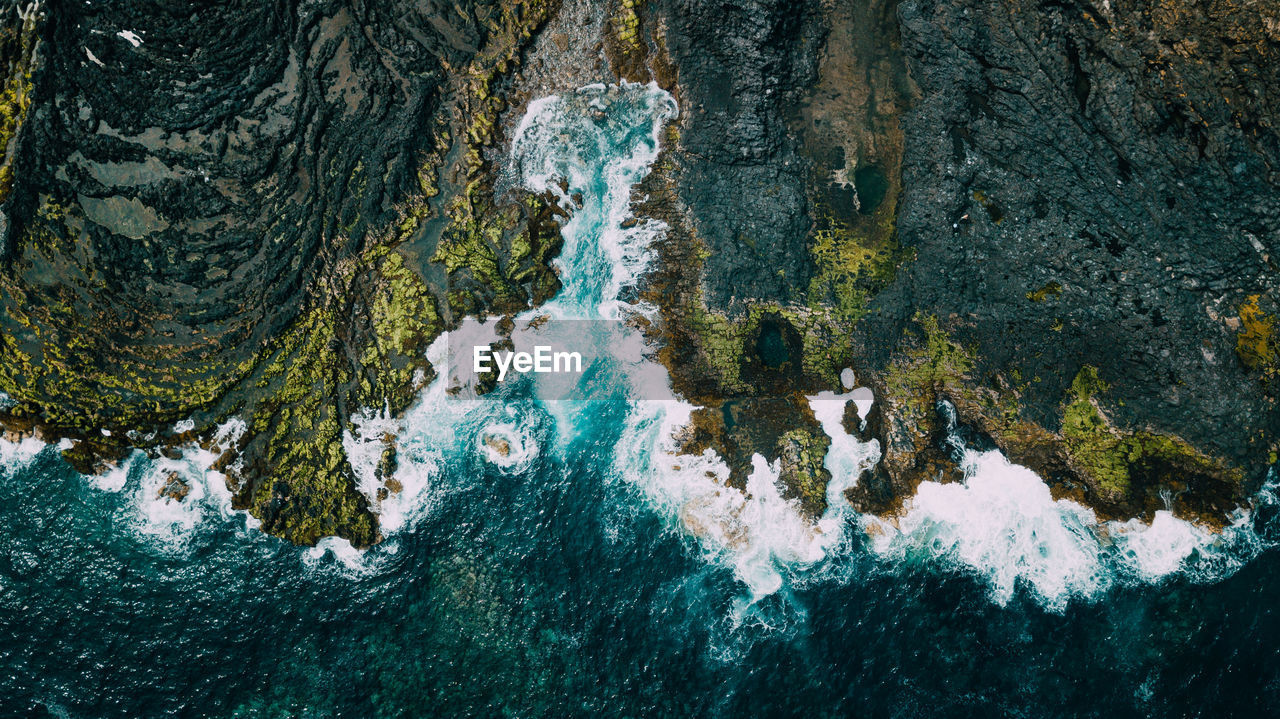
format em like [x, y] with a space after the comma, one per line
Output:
[590, 571]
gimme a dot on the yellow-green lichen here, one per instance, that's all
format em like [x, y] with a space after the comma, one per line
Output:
[309, 488]
[850, 266]
[913, 379]
[296, 430]
[483, 248]
[1089, 438]
[405, 320]
[1053, 289]
[1258, 342]
[803, 452]
[1109, 457]
[626, 24]
[52, 360]
[17, 49]
[725, 345]
[504, 251]
[74, 364]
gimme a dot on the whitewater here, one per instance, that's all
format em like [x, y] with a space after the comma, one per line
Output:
[1000, 525]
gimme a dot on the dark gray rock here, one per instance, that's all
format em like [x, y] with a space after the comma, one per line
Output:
[1127, 153]
[744, 66]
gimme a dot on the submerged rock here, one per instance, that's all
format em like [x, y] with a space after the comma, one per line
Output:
[174, 488]
[497, 444]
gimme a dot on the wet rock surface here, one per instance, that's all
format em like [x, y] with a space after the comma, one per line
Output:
[1059, 220]
[1094, 185]
[221, 210]
[743, 67]
[173, 488]
[1082, 189]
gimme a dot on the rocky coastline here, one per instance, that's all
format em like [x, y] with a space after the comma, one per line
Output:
[1058, 223]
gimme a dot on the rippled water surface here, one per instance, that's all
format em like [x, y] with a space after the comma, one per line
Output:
[591, 572]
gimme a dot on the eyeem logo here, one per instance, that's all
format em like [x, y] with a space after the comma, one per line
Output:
[541, 360]
[550, 359]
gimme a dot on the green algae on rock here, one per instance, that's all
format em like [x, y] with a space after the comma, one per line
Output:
[286, 282]
[18, 44]
[1258, 342]
[1050, 290]
[201, 241]
[850, 268]
[1121, 473]
[1111, 461]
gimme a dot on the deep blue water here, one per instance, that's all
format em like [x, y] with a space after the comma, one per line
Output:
[540, 596]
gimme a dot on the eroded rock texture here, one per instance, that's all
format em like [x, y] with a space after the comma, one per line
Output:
[1091, 191]
[207, 203]
[1059, 219]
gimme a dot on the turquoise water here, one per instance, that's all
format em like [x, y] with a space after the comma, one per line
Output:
[589, 572]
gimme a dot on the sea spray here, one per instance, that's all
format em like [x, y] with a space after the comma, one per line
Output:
[508, 445]
[756, 532]
[169, 524]
[424, 435]
[1000, 524]
[1003, 525]
[113, 479]
[601, 141]
[14, 455]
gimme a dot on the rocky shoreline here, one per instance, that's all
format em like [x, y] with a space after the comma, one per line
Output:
[197, 246]
[1101, 334]
[1061, 222]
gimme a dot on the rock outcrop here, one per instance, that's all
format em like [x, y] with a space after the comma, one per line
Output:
[1058, 221]
[1055, 223]
[264, 210]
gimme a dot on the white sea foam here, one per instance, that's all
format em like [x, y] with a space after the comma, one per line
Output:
[169, 524]
[16, 455]
[424, 434]
[757, 532]
[348, 561]
[1157, 550]
[114, 478]
[1003, 524]
[601, 140]
[364, 444]
[507, 445]
[847, 457]
[158, 515]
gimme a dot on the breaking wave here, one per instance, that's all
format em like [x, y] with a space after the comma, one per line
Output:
[1002, 524]
[590, 148]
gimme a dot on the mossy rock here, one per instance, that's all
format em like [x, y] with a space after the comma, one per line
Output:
[1258, 342]
[1110, 458]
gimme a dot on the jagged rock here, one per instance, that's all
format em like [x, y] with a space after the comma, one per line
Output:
[204, 219]
[1061, 187]
[174, 488]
